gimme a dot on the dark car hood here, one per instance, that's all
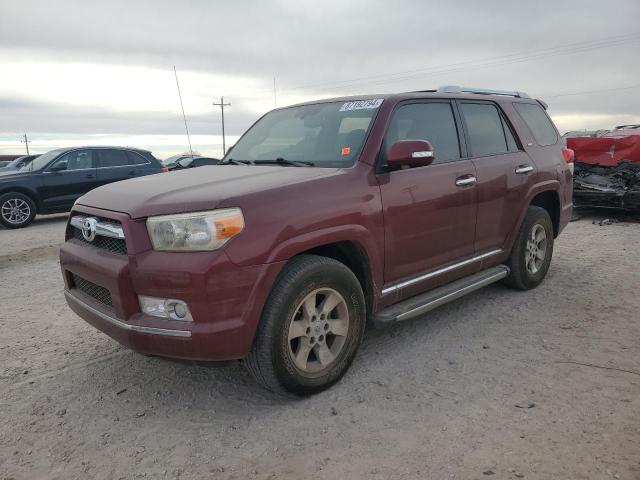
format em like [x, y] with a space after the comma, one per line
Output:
[193, 189]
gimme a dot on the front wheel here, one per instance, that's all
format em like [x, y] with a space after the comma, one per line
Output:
[310, 329]
[531, 254]
[16, 210]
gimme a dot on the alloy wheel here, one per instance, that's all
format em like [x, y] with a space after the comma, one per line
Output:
[536, 249]
[15, 211]
[318, 330]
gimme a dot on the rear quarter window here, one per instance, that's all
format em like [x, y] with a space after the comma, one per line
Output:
[538, 122]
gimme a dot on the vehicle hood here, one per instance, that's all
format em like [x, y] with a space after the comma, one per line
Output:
[194, 189]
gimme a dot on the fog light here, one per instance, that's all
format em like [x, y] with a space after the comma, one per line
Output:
[167, 308]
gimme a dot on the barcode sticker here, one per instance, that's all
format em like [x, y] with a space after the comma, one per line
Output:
[361, 105]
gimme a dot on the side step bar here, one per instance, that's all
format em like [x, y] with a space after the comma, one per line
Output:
[425, 302]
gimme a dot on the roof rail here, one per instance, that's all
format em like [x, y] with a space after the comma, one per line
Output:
[483, 91]
[620, 127]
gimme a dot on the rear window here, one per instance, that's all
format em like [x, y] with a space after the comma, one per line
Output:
[487, 131]
[136, 158]
[538, 122]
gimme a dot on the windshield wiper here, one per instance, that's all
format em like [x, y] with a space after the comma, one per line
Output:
[232, 161]
[284, 161]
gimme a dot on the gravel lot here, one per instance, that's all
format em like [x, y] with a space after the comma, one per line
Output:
[435, 398]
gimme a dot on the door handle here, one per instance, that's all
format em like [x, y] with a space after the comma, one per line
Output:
[89, 175]
[465, 180]
[132, 173]
[524, 169]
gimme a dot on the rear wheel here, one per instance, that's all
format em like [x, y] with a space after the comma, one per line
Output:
[16, 210]
[531, 254]
[310, 329]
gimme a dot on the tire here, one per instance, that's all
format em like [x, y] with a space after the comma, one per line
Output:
[17, 210]
[306, 284]
[527, 268]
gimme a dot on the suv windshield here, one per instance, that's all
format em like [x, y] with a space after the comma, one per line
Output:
[41, 161]
[323, 134]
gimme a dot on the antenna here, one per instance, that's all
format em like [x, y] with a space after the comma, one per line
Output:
[184, 117]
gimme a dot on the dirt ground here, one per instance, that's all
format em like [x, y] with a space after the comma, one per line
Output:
[502, 384]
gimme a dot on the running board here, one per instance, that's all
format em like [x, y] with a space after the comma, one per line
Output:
[425, 302]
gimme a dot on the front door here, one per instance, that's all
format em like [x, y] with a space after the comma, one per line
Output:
[430, 211]
[68, 178]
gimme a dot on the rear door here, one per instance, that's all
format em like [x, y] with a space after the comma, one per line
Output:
[504, 172]
[143, 163]
[61, 188]
[114, 165]
[429, 214]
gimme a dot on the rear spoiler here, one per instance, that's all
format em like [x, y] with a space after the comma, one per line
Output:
[542, 103]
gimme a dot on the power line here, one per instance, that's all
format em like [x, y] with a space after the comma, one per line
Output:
[517, 57]
[591, 91]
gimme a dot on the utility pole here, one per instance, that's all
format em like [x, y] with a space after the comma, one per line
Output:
[275, 100]
[26, 142]
[222, 105]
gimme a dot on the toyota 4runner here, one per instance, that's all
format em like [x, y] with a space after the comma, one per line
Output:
[324, 217]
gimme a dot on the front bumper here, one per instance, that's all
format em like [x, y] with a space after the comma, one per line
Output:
[225, 300]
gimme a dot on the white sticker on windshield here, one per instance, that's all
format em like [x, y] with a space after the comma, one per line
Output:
[361, 105]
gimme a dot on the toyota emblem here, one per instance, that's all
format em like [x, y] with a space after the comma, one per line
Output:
[89, 229]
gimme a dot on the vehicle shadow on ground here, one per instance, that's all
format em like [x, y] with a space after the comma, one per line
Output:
[147, 385]
[604, 216]
[44, 220]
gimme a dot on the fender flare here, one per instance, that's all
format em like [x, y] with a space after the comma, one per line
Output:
[546, 186]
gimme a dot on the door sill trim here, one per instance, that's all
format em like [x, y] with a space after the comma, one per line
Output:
[425, 302]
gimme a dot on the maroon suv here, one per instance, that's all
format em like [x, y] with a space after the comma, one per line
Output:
[324, 215]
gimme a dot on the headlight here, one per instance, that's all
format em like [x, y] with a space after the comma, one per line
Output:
[198, 231]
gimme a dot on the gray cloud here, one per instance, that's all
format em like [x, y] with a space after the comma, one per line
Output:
[323, 43]
[28, 116]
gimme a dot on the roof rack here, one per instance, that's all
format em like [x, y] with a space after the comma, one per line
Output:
[620, 127]
[483, 91]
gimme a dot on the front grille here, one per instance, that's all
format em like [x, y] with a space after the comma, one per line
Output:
[114, 245]
[98, 293]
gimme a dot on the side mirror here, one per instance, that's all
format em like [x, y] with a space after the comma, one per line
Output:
[413, 153]
[58, 167]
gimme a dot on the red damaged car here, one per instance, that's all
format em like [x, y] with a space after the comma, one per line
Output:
[325, 217]
[607, 169]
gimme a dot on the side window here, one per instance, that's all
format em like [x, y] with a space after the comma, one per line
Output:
[112, 158]
[538, 122]
[76, 160]
[511, 141]
[136, 158]
[431, 121]
[487, 131]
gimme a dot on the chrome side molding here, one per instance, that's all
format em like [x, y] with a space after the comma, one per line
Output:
[439, 271]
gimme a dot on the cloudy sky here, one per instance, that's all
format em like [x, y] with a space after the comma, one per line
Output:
[94, 72]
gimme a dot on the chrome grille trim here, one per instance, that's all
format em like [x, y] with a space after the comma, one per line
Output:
[103, 228]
